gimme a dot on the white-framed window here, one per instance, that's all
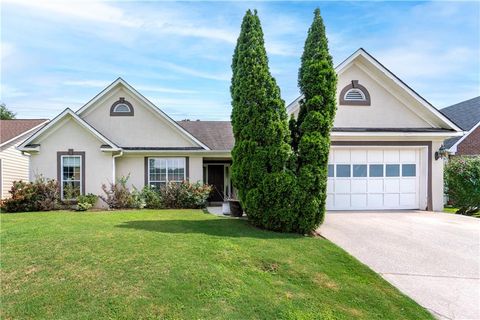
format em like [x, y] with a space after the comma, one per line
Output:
[164, 170]
[71, 176]
[122, 107]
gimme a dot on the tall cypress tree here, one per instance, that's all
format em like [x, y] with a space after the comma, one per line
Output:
[317, 82]
[260, 128]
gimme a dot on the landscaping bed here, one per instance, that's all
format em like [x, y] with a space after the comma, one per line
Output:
[181, 264]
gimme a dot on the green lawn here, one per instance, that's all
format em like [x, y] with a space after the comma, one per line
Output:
[181, 264]
[450, 209]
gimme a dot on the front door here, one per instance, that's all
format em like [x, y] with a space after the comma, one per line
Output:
[216, 178]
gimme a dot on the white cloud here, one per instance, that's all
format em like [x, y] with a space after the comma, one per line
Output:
[196, 73]
[7, 91]
[87, 83]
[91, 10]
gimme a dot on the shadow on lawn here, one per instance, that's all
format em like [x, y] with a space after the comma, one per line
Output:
[219, 227]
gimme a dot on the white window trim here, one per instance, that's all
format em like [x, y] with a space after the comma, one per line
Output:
[61, 174]
[115, 110]
[166, 170]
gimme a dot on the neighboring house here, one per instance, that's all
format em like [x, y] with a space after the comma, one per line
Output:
[14, 166]
[466, 115]
[382, 157]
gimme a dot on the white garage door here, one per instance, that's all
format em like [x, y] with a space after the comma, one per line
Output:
[376, 178]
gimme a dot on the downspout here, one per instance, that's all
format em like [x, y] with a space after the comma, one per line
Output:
[113, 165]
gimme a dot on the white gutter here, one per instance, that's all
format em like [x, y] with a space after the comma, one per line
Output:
[395, 134]
[113, 165]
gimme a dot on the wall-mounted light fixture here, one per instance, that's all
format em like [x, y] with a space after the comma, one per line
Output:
[441, 153]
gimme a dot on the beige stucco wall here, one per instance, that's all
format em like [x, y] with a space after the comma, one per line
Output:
[134, 165]
[145, 129]
[14, 167]
[68, 134]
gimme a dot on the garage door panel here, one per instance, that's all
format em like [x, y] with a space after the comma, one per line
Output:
[408, 200]
[375, 201]
[330, 200]
[391, 156]
[342, 156]
[359, 156]
[359, 200]
[408, 186]
[391, 200]
[342, 186]
[359, 186]
[392, 185]
[375, 185]
[342, 201]
[408, 156]
[330, 186]
[375, 156]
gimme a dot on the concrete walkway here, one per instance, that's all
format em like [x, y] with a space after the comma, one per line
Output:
[432, 257]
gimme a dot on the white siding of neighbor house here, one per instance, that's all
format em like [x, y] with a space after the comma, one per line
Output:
[14, 168]
[134, 166]
[145, 129]
[68, 134]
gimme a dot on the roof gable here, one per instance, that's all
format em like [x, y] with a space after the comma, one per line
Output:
[155, 114]
[402, 92]
[67, 113]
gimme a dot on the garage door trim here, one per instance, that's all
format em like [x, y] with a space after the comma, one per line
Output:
[428, 144]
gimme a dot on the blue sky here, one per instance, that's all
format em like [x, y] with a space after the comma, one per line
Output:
[60, 54]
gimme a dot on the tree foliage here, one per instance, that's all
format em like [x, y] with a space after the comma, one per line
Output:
[462, 180]
[260, 128]
[6, 114]
[317, 82]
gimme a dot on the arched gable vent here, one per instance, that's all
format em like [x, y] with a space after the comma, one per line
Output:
[121, 108]
[355, 95]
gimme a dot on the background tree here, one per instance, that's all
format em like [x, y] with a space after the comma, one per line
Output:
[317, 82]
[259, 121]
[6, 114]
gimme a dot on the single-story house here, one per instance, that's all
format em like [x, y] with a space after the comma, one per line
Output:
[466, 115]
[384, 142]
[14, 165]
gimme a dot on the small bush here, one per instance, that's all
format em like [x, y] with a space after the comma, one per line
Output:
[185, 195]
[462, 181]
[138, 201]
[152, 198]
[85, 202]
[177, 195]
[117, 195]
[39, 195]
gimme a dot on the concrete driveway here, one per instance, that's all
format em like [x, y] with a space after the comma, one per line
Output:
[432, 257]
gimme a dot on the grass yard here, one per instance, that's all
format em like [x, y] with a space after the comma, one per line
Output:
[181, 264]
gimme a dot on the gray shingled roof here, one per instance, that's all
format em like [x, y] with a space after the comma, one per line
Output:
[217, 135]
[465, 114]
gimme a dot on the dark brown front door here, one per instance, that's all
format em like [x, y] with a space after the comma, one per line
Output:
[216, 180]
